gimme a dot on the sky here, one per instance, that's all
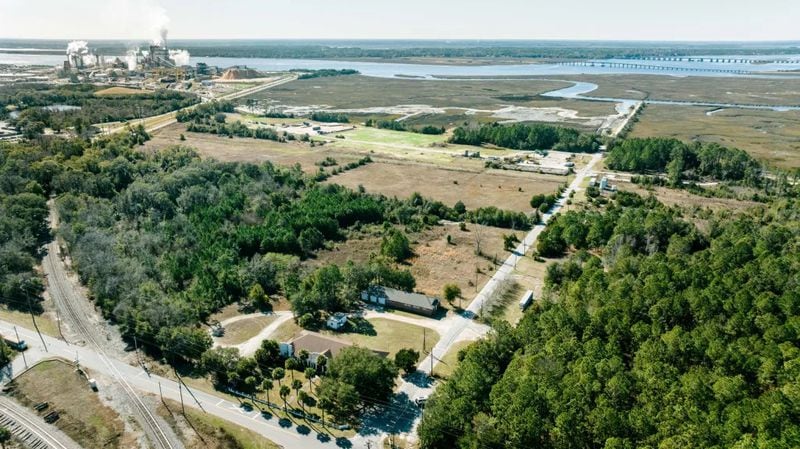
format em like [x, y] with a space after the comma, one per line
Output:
[671, 20]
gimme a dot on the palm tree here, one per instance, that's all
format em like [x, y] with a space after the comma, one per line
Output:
[322, 362]
[290, 365]
[304, 355]
[5, 436]
[302, 397]
[323, 403]
[310, 373]
[268, 385]
[296, 386]
[285, 392]
[278, 374]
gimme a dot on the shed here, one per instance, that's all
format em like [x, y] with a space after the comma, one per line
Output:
[398, 299]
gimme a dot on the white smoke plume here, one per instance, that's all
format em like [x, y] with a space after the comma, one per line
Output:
[131, 59]
[81, 49]
[161, 40]
[181, 57]
[78, 48]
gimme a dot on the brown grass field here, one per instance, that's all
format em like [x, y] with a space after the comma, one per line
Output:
[399, 169]
[773, 137]
[435, 262]
[676, 197]
[116, 90]
[84, 417]
[247, 150]
[504, 189]
[349, 92]
[741, 90]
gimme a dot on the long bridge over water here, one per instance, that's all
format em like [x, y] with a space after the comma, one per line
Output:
[654, 67]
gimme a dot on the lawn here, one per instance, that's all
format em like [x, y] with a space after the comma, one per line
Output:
[391, 336]
[385, 335]
[202, 430]
[243, 330]
[83, 416]
[771, 136]
[47, 325]
[385, 136]
[448, 364]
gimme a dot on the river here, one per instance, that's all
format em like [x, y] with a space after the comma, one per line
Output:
[392, 69]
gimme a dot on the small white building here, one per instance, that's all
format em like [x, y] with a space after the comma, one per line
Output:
[337, 321]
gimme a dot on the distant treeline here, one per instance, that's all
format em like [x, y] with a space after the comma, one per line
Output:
[32, 101]
[329, 117]
[210, 118]
[528, 137]
[400, 126]
[323, 73]
[268, 50]
[684, 161]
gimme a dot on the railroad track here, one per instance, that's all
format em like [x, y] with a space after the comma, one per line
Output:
[28, 430]
[61, 298]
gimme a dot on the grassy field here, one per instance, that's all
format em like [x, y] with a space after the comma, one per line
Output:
[771, 136]
[449, 362]
[391, 336]
[47, 325]
[385, 335]
[696, 88]
[243, 330]
[201, 430]
[348, 92]
[84, 417]
[504, 189]
[247, 150]
[676, 197]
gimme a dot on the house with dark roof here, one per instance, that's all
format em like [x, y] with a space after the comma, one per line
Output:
[398, 299]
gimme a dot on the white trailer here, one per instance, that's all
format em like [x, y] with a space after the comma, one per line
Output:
[526, 300]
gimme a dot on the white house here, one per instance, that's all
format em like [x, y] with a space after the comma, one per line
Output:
[337, 321]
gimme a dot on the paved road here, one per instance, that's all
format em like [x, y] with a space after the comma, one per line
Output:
[157, 122]
[288, 437]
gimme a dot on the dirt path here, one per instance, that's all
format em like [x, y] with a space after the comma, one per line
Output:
[250, 346]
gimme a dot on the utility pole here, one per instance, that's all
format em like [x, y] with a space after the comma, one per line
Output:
[33, 318]
[431, 362]
[161, 393]
[180, 391]
[424, 339]
[23, 352]
[181, 382]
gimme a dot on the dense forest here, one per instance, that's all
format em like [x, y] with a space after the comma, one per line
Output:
[23, 229]
[395, 125]
[35, 102]
[527, 137]
[684, 161]
[164, 239]
[653, 334]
